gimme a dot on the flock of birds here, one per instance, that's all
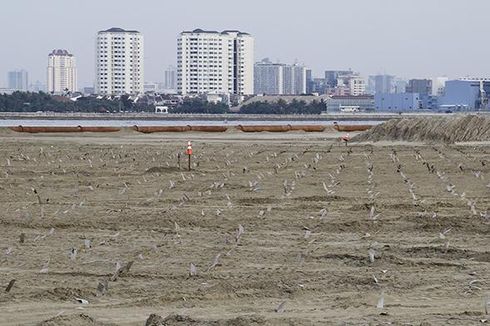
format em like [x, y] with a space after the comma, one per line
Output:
[226, 170]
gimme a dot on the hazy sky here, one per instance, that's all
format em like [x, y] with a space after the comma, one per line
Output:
[407, 38]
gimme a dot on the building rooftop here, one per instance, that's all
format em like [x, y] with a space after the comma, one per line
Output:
[198, 30]
[352, 97]
[61, 52]
[118, 30]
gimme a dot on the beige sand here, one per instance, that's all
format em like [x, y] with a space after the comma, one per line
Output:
[460, 128]
[303, 245]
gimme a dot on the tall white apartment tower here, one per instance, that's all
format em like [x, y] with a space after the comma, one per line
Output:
[119, 62]
[62, 72]
[214, 62]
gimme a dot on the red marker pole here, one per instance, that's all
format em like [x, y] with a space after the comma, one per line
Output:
[346, 139]
[189, 152]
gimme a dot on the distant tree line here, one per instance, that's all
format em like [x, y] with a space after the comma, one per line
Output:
[33, 102]
[197, 105]
[283, 107]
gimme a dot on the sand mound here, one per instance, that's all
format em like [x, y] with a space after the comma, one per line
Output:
[179, 320]
[444, 129]
[65, 294]
[72, 320]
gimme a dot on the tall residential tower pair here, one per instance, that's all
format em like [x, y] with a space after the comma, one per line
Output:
[215, 62]
[207, 62]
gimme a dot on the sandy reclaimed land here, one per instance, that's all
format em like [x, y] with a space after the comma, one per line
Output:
[283, 229]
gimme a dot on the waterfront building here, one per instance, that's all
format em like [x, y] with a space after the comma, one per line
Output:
[466, 94]
[18, 80]
[215, 62]
[61, 72]
[350, 103]
[397, 102]
[119, 62]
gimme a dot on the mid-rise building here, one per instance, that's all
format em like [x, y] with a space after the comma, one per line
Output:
[419, 86]
[400, 85]
[438, 85]
[331, 76]
[279, 79]
[18, 80]
[214, 62]
[268, 78]
[381, 84]
[318, 85]
[119, 62]
[344, 83]
[397, 102]
[357, 86]
[62, 72]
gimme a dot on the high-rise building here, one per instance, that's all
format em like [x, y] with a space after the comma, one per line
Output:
[62, 72]
[18, 80]
[309, 81]
[268, 78]
[170, 78]
[213, 62]
[119, 62]
[278, 78]
[294, 79]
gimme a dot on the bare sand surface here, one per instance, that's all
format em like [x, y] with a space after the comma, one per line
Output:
[283, 229]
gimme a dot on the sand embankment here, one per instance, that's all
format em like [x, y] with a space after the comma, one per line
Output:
[441, 129]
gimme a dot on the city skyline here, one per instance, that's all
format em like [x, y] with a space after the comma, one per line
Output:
[417, 39]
